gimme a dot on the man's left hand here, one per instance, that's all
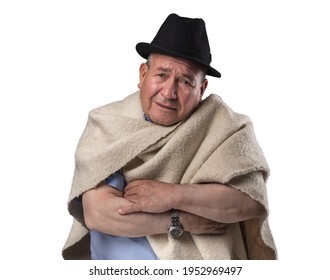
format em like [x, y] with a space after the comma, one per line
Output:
[148, 196]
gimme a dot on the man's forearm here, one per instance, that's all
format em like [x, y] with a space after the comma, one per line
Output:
[217, 202]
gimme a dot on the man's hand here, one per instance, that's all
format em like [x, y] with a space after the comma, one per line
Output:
[101, 206]
[199, 225]
[148, 196]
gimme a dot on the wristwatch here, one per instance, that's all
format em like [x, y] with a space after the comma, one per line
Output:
[176, 229]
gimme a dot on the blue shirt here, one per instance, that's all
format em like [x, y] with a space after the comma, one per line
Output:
[109, 247]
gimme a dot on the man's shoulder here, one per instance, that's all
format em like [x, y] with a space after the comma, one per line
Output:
[129, 106]
[223, 110]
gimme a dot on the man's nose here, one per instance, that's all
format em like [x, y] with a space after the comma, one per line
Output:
[169, 90]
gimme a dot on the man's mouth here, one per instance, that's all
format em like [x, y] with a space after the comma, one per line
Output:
[166, 106]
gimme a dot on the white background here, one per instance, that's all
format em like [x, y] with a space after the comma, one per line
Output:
[59, 59]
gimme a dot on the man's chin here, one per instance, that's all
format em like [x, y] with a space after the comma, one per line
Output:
[163, 121]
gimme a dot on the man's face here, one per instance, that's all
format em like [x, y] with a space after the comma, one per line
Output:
[171, 89]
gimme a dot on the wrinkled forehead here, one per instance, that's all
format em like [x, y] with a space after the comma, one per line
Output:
[165, 61]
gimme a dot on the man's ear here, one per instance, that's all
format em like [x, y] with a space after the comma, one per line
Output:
[203, 87]
[142, 74]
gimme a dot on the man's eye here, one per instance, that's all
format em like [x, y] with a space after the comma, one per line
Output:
[161, 75]
[186, 82]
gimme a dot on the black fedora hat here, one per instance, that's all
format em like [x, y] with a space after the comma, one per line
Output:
[184, 38]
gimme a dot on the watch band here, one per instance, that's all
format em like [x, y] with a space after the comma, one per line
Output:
[175, 218]
[176, 229]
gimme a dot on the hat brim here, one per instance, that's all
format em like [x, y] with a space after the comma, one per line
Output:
[145, 49]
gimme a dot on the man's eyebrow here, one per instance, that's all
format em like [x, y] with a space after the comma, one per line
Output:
[164, 69]
[189, 77]
[185, 75]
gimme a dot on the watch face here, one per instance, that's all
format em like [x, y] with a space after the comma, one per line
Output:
[175, 231]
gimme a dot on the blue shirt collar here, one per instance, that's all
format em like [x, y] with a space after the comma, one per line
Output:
[147, 118]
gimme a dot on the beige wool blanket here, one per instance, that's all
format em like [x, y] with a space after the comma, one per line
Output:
[214, 145]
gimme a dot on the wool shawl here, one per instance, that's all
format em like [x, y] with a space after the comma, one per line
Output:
[213, 145]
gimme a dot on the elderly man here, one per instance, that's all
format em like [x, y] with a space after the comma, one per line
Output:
[164, 174]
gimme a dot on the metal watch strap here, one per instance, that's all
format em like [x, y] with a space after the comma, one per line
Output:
[175, 219]
[176, 228]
